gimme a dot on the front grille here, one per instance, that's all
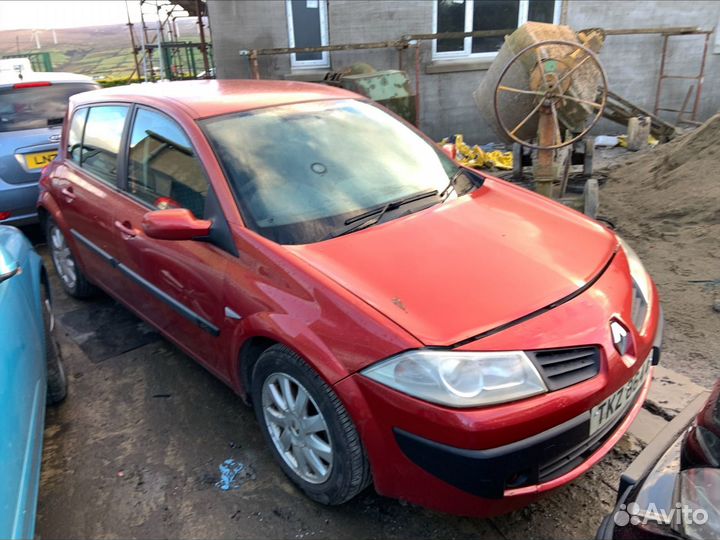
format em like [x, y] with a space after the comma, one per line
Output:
[574, 456]
[561, 368]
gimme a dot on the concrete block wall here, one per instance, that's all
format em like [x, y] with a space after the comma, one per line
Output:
[632, 62]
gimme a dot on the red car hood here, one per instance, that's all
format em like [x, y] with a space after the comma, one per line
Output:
[467, 266]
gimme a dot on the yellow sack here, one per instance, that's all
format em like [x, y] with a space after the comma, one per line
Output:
[622, 141]
[477, 158]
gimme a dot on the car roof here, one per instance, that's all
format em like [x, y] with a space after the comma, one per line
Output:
[56, 77]
[205, 98]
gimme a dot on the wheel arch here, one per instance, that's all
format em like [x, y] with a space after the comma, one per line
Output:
[250, 353]
[255, 334]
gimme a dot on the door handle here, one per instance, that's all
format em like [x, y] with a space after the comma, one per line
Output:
[126, 229]
[68, 193]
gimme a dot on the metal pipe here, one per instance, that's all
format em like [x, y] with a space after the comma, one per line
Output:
[675, 30]
[164, 69]
[701, 76]
[147, 53]
[662, 73]
[132, 41]
[398, 43]
[203, 45]
[417, 84]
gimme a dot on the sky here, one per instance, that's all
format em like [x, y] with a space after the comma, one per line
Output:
[49, 14]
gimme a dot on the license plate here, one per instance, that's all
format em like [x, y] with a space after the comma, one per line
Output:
[40, 159]
[607, 411]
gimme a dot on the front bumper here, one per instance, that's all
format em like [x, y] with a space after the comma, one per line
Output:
[522, 466]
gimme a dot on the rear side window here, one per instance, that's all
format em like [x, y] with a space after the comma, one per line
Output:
[35, 107]
[101, 142]
[75, 133]
[163, 170]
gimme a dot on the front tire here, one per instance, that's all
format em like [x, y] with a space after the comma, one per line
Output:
[307, 428]
[56, 378]
[71, 277]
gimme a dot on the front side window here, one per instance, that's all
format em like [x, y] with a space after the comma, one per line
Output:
[301, 171]
[308, 27]
[36, 105]
[75, 134]
[101, 141]
[479, 15]
[163, 171]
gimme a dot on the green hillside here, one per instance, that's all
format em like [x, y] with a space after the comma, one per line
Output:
[101, 52]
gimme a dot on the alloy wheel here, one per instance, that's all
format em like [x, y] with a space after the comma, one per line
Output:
[297, 428]
[63, 259]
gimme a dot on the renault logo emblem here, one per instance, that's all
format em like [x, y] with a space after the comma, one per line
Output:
[620, 337]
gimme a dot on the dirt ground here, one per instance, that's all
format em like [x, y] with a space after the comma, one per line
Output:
[136, 449]
[666, 203]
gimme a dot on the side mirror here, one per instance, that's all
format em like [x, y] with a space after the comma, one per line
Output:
[175, 224]
[8, 265]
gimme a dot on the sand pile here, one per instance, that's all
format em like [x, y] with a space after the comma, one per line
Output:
[678, 182]
[666, 203]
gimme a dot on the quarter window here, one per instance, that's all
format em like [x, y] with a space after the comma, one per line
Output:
[163, 170]
[75, 133]
[478, 15]
[308, 27]
[101, 142]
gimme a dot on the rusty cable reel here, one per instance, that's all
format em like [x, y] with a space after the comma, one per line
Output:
[565, 84]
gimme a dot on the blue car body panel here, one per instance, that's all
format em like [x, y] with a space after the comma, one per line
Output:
[19, 182]
[23, 373]
[20, 196]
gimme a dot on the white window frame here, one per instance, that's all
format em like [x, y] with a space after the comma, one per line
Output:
[324, 62]
[467, 42]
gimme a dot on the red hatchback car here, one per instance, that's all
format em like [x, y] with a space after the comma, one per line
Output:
[394, 318]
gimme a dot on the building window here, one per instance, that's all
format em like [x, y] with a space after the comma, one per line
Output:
[308, 27]
[477, 15]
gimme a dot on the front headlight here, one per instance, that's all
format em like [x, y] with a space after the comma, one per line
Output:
[460, 379]
[641, 282]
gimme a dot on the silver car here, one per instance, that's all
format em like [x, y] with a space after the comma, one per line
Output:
[32, 110]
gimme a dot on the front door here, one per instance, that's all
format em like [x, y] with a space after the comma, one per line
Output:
[184, 278]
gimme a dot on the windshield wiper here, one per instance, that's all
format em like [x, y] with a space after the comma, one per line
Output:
[376, 214]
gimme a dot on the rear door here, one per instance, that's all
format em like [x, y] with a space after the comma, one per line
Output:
[85, 187]
[184, 279]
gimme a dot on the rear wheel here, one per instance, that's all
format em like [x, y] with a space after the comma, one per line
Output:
[73, 280]
[56, 379]
[308, 429]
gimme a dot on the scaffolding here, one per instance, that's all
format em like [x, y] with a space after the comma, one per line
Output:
[159, 53]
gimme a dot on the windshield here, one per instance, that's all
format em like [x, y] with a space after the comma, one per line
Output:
[36, 106]
[301, 171]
